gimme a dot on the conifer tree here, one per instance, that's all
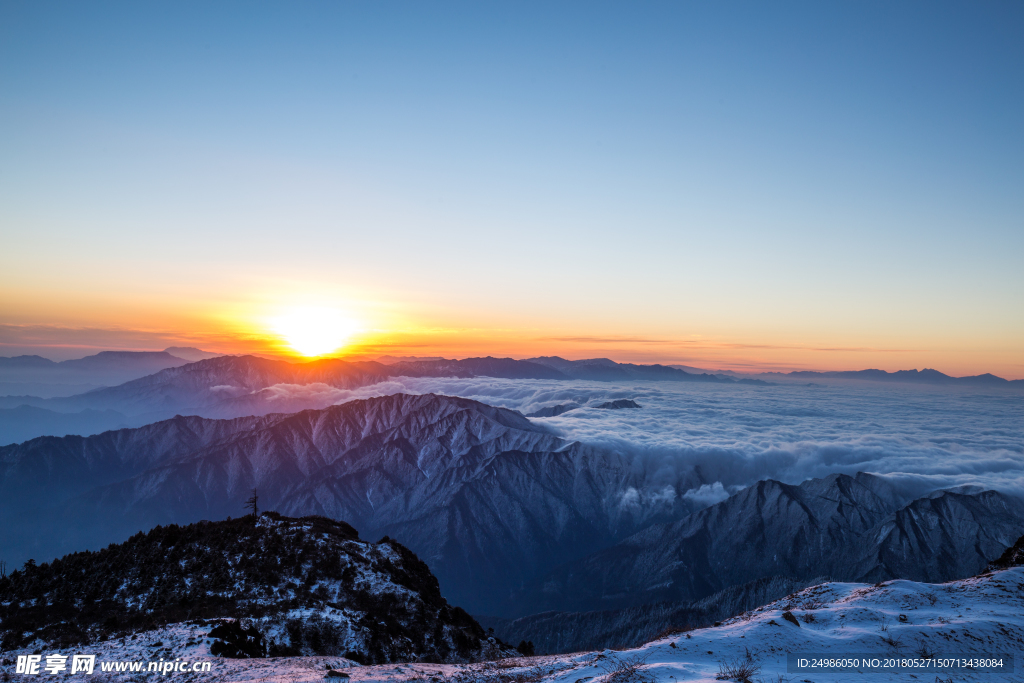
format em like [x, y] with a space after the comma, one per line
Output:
[252, 506]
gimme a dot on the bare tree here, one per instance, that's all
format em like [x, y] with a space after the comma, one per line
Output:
[252, 506]
[3, 569]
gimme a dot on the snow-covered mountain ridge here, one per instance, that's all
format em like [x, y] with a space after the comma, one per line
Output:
[306, 586]
[981, 615]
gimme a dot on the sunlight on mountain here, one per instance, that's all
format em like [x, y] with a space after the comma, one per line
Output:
[315, 331]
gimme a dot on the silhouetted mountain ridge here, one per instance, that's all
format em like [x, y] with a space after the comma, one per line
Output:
[607, 370]
[38, 376]
[231, 386]
[926, 376]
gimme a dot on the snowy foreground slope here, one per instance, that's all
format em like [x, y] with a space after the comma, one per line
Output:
[982, 615]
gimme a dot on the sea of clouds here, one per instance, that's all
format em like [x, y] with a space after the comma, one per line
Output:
[921, 438]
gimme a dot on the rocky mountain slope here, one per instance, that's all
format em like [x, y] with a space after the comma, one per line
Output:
[1011, 557]
[305, 586]
[487, 497]
[849, 528]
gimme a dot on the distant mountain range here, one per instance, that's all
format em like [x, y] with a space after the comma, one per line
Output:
[925, 376]
[191, 353]
[38, 376]
[606, 370]
[231, 385]
[489, 499]
[515, 521]
[105, 361]
[849, 528]
[226, 386]
[512, 518]
[236, 386]
[27, 422]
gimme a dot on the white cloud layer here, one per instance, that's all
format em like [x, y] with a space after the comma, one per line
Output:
[923, 438]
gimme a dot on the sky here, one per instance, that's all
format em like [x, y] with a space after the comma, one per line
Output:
[744, 186]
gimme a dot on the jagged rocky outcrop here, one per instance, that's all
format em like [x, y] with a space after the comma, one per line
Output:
[850, 528]
[1011, 557]
[554, 411]
[562, 409]
[279, 587]
[618, 404]
[488, 498]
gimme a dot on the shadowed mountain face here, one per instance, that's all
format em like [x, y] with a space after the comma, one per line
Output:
[849, 528]
[487, 498]
[555, 632]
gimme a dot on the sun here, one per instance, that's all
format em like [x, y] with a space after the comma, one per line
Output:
[314, 331]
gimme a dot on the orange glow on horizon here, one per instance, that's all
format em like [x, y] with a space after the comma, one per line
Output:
[303, 323]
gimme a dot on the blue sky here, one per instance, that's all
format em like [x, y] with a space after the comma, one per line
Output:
[804, 174]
